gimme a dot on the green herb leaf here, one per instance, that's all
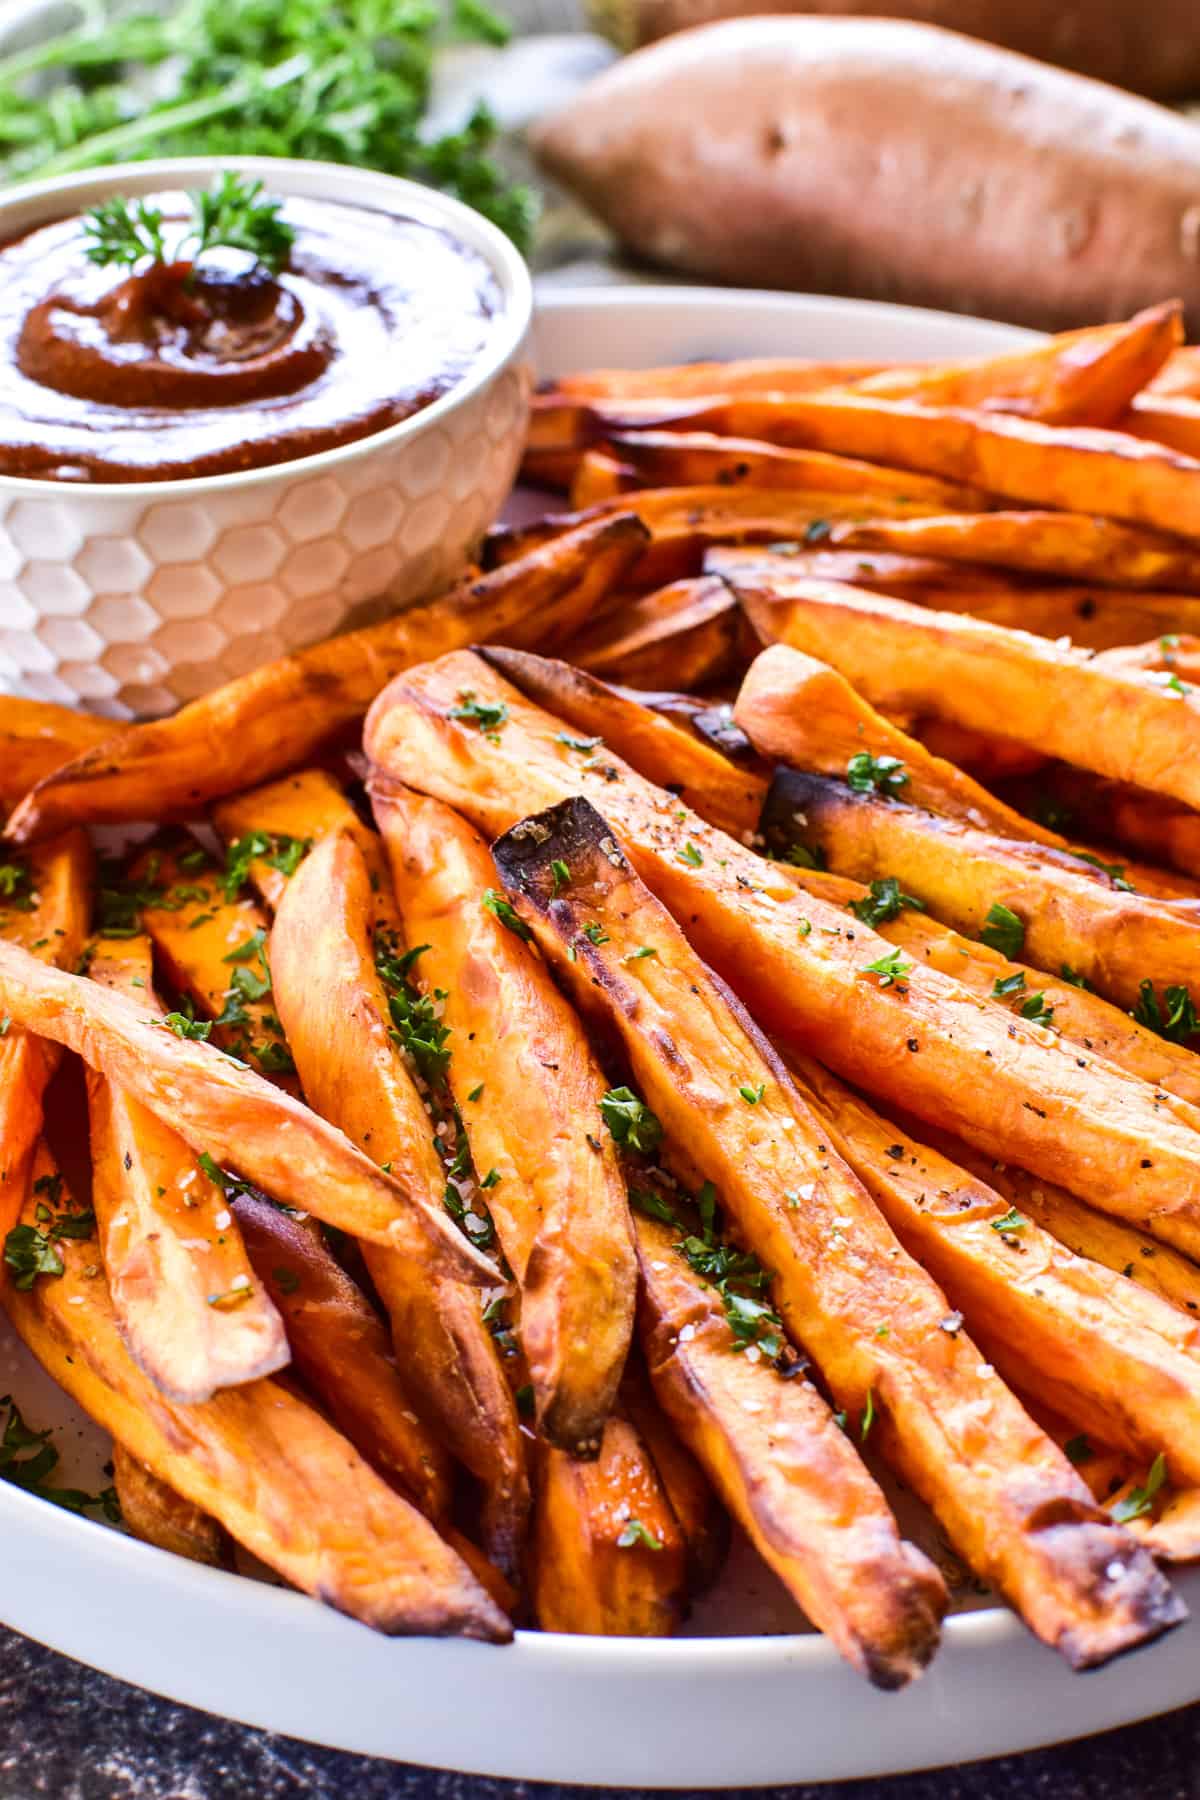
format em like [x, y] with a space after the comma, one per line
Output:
[29, 1253]
[185, 1025]
[635, 1532]
[689, 855]
[1003, 931]
[1114, 871]
[867, 774]
[489, 715]
[890, 968]
[30, 1472]
[885, 901]
[752, 1095]
[1010, 1222]
[1140, 1500]
[233, 213]
[1173, 1017]
[507, 914]
[1005, 986]
[583, 745]
[561, 874]
[868, 1418]
[632, 1125]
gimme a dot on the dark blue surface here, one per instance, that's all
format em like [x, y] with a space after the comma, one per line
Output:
[67, 1733]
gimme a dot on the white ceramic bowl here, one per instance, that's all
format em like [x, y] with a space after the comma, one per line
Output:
[128, 598]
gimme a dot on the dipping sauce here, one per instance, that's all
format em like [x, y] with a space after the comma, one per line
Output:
[176, 370]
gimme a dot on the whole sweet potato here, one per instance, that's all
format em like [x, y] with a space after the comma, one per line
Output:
[887, 159]
[1153, 50]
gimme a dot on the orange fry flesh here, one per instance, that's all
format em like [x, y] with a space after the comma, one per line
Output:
[335, 1010]
[230, 1113]
[871, 1318]
[192, 1312]
[527, 1088]
[1004, 1085]
[262, 1462]
[789, 1474]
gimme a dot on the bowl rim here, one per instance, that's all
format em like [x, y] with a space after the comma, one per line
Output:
[33, 203]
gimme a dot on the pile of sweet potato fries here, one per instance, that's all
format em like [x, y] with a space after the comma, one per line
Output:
[721, 1034]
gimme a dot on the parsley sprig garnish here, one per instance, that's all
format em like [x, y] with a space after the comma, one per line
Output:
[1140, 1499]
[232, 214]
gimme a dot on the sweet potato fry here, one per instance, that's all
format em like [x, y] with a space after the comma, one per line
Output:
[753, 375]
[342, 1352]
[192, 1312]
[884, 572]
[700, 459]
[1171, 419]
[45, 903]
[212, 941]
[597, 476]
[685, 635]
[1177, 653]
[281, 714]
[528, 1090]
[871, 1318]
[303, 808]
[231, 1113]
[1116, 1359]
[700, 1515]
[797, 710]
[1078, 469]
[1123, 815]
[1012, 1089]
[788, 1473]
[659, 748]
[1095, 618]
[37, 737]
[1076, 378]
[1048, 696]
[608, 1555]
[158, 1515]
[1086, 1231]
[335, 1009]
[683, 520]
[261, 1461]
[1075, 546]
[1055, 908]
[1080, 1017]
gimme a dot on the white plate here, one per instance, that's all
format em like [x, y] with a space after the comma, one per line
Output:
[708, 1709]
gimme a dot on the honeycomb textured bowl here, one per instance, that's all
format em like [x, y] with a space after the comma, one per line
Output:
[131, 598]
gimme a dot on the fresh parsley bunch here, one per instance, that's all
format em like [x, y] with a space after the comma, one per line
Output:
[347, 82]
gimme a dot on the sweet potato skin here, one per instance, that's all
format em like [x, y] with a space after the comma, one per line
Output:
[1007, 1087]
[341, 1350]
[158, 1515]
[281, 714]
[774, 195]
[263, 1463]
[1148, 53]
[685, 635]
[324, 968]
[788, 1473]
[871, 1318]
[528, 1089]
